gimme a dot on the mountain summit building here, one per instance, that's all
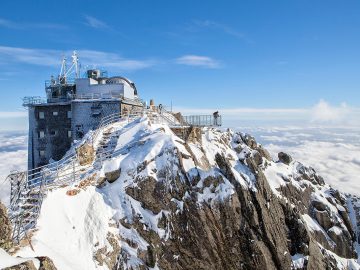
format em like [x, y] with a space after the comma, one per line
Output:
[72, 107]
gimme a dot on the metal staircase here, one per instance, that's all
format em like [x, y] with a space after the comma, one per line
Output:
[28, 188]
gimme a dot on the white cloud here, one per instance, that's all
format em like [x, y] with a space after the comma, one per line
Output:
[95, 23]
[235, 111]
[27, 25]
[221, 27]
[13, 114]
[320, 114]
[332, 152]
[324, 112]
[13, 156]
[43, 57]
[107, 59]
[197, 60]
[30, 56]
[337, 162]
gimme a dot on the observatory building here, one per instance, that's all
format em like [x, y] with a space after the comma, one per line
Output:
[73, 106]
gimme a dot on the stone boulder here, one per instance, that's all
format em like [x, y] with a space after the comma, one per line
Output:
[85, 154]
[46, 263]
[284, 158]
[112, 176]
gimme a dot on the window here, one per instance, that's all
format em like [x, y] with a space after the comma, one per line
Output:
[42, 153]
[53, 132]
[69, 133]
[41, 134]
[41, 115]
[69, 115]
[55, 113]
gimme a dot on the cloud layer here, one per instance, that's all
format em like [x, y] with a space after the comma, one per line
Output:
[333, 153]
[196, 60]
[13, 156]
[322, 113]
[43, 57]
[27, 25]
[94, 22]
[93, 58]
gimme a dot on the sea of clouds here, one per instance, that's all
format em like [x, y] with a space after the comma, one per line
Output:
[324, 137]
[13, 156]
[333, 152]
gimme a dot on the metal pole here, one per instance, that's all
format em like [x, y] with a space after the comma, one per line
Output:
[57, 171]
[74, 170]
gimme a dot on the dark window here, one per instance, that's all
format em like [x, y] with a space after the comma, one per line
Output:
[53, 132]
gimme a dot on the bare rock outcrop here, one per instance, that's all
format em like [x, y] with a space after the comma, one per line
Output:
[5, 229]
[28, 265]
[6, 243]
[46, 263]
[256, 227]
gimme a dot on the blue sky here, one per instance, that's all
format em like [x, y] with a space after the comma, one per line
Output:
[202, 55]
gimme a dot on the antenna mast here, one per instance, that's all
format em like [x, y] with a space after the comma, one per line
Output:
[74, 69]
[62, 75]
[75, 61]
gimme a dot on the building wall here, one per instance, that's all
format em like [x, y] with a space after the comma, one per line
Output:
[128, 92]
[86, 86]
[55, 129]
[88, 114]
[78, 117]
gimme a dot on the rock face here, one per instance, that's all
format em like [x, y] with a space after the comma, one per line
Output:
[46, 263]
[216, 200]
[28, 265]
[222, 203]
[6, 243]
[5, 229]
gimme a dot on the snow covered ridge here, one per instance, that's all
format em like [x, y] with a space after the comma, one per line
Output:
[208, 200]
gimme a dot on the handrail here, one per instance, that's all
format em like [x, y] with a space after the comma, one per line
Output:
[38, 180]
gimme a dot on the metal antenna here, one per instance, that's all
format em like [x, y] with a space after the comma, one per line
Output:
[75, 61]
[75, 65]
[63, 67]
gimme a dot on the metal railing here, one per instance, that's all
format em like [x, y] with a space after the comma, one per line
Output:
[37, 100]
[190, 120]
[203, 120]
[33, 100]
[88, 96]
[28, 188]
[57, 83]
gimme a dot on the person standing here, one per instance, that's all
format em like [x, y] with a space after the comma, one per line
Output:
[216, 116]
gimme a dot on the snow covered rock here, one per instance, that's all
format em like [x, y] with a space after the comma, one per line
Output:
[215, 201]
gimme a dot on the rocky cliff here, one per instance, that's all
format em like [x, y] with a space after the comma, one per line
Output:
[214, 201]
[6, 244]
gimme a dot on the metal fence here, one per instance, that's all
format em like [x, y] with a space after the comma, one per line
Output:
[33, 100]
[28, 188]
[203, 120]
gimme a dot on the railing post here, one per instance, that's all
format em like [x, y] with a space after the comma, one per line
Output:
[74, 170]
[57, 171]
